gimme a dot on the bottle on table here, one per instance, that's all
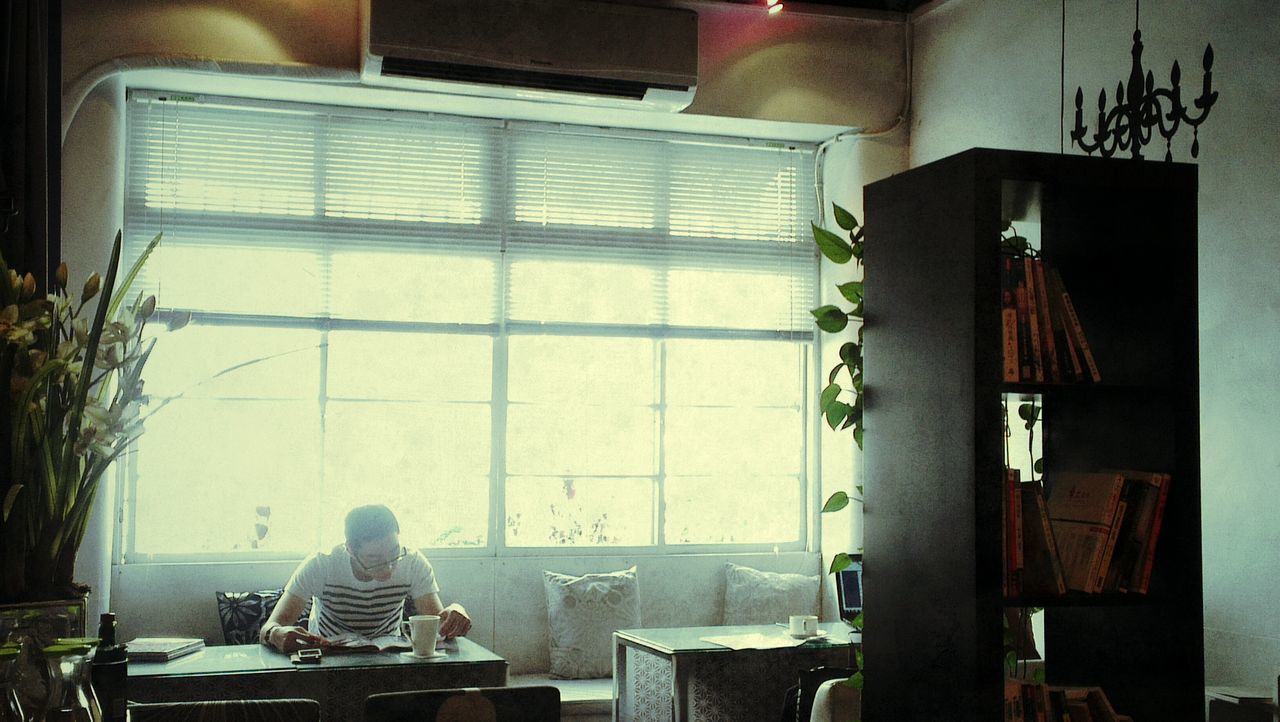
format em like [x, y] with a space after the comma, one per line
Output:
[110, 673]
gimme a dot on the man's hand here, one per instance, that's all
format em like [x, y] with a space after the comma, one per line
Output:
[454, 622]
[291, 639]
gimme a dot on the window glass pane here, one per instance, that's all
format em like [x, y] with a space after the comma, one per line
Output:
[569, 179]
[386, 286]
[237, 279]
[203, 361]
[760, 178]
[406, 366]
[205, 471]
[428, 461]
[583, 292]
[737, 509]
[705, 372]
[579, 511]
[404, 170]
[712, 440]
[220, 160]
[767, 300]
[580, 440]
[582, 369]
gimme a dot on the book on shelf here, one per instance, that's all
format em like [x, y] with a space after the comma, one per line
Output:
[162, 649]
[1009, 321]
[1042, 569]
[1033, 318]
[1012, 510]
[1079, 704]
[1141, 582]
[1082, 508]
[1042, 338]
[1074, 326]
[1108, 550]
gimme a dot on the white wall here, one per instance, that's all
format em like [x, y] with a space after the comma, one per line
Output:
[839, 71]
[987, 74]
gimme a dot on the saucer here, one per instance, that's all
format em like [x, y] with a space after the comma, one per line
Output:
[816, 635]
[433, 655]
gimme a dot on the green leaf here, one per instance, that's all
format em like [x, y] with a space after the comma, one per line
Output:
[856, 679]
[9, 498]
[844, 218]
[857, 622]
[829, 394]
[850, 352]
[857, 383]
[857, 437]
[852, 291]
[830, 318]
[1027, 412]
[1038, 467]
[838, 501]
[1037, 675]
[831, 377]
[859, 488]
[836, 412]
[840, 562]
[850, 420]
[832, 246]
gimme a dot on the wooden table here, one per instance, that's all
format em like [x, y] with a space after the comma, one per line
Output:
[340, 683]
[673, 674]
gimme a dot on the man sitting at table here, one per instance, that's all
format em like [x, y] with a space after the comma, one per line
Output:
[360, 587]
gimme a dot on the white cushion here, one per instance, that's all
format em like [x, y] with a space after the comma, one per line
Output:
[755, 597]
[583, 613]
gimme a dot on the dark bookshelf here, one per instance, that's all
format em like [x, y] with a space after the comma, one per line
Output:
[1123, 236]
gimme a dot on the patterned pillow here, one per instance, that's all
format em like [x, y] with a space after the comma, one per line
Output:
[583, 613]
[243, 613]
[755, 597]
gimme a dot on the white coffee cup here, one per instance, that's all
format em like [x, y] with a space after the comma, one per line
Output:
[802, 625]
[422, 630]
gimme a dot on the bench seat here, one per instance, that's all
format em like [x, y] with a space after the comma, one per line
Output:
[581, 700]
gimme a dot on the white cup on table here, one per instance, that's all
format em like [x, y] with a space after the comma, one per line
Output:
[802, 625]
[422, 631]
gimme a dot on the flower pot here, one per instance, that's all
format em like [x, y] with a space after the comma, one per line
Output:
[37, 624]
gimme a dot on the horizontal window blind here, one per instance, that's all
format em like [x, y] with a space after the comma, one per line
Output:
[402, 216]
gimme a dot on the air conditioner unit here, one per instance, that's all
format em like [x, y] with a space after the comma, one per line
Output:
[566, 51]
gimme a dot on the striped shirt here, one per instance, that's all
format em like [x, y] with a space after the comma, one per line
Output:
[344, 605]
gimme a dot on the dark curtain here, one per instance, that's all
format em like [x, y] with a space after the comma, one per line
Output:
[31, 135]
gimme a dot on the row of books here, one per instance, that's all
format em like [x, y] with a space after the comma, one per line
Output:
[1043, 339]
[1094, 532]
[1037, 702]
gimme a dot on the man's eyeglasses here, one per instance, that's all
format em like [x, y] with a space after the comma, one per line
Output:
[379, 566]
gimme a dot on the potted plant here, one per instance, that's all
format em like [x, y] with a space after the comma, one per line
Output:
[842, 405]
[70, 390]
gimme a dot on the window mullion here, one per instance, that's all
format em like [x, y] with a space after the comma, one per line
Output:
[501, 202]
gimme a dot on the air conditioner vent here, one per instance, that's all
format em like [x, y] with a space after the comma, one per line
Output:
[488, 75]
[580, 52]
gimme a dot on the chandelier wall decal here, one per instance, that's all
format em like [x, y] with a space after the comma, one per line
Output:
[1142, 109]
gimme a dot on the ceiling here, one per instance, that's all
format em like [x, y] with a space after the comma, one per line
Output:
[903, 6]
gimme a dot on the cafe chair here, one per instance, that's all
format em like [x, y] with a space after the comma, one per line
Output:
[798, 705]
[469, 704]
[241, 710]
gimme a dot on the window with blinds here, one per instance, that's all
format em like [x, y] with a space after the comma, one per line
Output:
[514, 334]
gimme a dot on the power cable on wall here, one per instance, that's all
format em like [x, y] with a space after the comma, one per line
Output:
[860, 133]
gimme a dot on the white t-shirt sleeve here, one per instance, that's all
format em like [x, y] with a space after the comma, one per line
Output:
[308, 579]
[422, 578]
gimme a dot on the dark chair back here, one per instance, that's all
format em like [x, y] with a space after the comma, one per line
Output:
[798, 705]
[473, 704]
[244, 710]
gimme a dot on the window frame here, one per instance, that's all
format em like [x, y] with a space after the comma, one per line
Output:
[808, 343]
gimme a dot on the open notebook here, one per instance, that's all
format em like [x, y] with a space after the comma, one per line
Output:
[354, 643]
